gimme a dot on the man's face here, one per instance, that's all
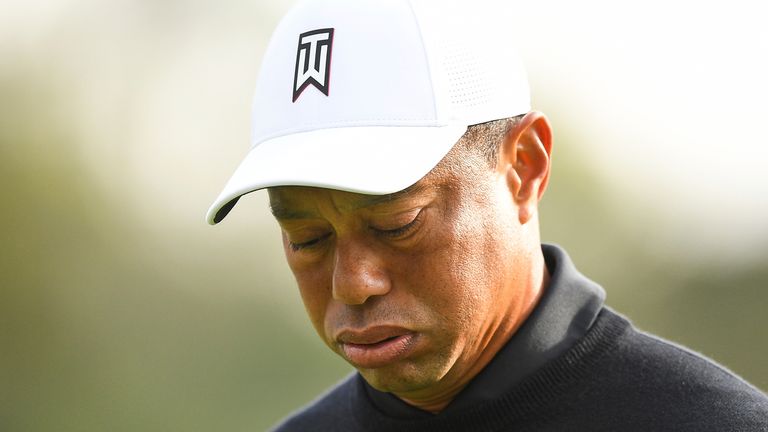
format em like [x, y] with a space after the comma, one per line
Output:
[409, 288]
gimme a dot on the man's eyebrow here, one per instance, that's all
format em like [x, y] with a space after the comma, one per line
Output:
[282, 212]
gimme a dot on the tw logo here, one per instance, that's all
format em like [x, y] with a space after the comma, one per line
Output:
[313, 61]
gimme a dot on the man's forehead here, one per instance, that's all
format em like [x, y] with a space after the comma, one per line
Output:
[293, 202]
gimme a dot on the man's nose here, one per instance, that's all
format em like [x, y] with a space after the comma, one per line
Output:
[359, 273]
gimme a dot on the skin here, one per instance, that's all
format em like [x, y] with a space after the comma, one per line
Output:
[453, 262]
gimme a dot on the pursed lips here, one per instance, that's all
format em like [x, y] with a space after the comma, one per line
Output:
[376, 346]
[370, 335]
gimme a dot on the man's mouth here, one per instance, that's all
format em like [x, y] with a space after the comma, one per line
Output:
[377, 346]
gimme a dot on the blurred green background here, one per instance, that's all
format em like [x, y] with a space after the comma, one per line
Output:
[121, 310]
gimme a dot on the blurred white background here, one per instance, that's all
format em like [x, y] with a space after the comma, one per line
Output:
[660, 192]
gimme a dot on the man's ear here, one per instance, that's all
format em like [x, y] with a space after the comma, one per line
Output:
[525, 158]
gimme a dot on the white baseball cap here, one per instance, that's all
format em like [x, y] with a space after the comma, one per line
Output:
[368, 96]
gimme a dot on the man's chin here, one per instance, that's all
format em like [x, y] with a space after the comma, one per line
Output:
[400, 379]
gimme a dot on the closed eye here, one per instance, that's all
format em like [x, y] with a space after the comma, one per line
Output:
[401, 231]
[307, 244]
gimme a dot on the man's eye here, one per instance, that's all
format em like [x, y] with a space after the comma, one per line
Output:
[306, 244]
[400, 231]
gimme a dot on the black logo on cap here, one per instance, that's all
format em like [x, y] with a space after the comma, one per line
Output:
[313, 61]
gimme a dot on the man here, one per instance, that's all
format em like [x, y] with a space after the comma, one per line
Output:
[405, 167]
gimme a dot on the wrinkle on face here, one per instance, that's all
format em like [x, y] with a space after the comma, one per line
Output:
[458, 282]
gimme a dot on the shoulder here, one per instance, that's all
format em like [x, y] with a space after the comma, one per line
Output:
[330, 411]
[659, 361]
[665, 382]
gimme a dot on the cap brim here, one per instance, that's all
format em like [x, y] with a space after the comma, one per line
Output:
[368, 160]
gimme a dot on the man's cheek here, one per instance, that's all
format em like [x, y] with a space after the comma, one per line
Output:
[315, 303]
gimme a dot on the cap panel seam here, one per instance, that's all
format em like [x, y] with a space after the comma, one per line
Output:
[426, 56]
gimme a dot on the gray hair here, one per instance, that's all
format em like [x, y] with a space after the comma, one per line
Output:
[485, 138]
